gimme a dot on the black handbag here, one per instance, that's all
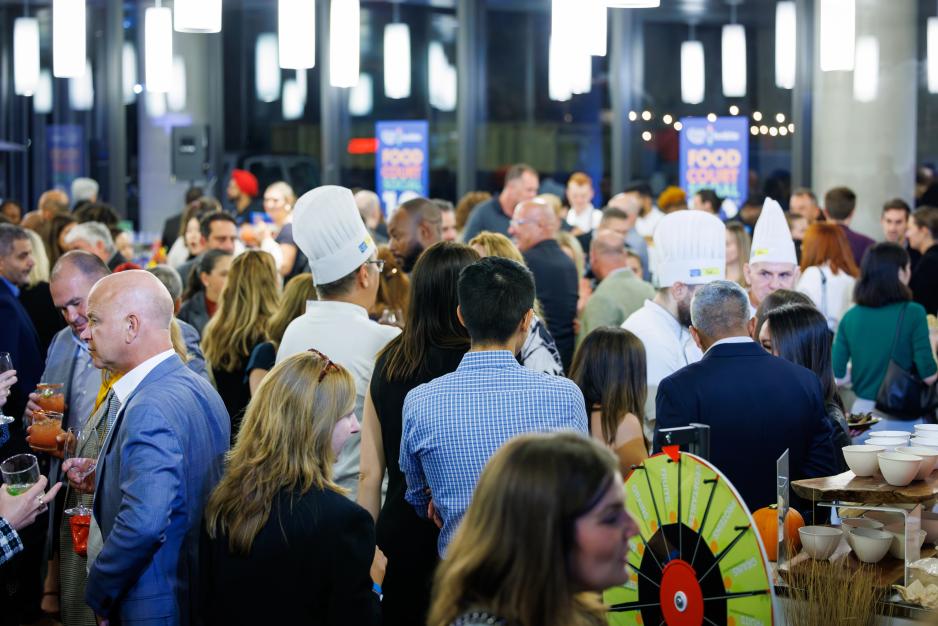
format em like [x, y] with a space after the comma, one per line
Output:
[902, 393]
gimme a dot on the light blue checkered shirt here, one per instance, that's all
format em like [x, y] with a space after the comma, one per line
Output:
[455, 423]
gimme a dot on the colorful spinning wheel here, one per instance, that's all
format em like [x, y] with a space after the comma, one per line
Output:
[697, 558]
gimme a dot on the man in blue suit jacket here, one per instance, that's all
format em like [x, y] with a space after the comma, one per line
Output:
[159, 462]
[757, 405]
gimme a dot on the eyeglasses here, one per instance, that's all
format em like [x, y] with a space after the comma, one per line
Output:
[377, 262]
[326, 368]
[520, 222]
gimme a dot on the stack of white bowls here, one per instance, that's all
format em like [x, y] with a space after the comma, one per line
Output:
[890, 439]
[926, 436]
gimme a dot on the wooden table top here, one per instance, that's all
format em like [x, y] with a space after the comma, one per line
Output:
[848, 487]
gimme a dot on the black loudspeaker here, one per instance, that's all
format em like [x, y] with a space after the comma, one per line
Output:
[190, 152]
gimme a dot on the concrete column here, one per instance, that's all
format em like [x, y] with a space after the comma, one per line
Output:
[869, 146]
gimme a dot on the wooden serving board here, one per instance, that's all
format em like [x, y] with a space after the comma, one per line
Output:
[848, 487]
[890, 571]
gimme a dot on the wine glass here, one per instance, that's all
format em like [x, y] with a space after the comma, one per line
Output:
[78, 442]
[20, 472]
[6, 364]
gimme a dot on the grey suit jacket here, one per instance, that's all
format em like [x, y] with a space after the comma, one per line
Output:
[161, 459]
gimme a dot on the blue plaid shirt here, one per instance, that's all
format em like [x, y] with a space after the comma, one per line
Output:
[10, 542]
[455, 423]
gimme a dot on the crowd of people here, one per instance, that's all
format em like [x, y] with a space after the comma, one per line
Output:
[425, 418]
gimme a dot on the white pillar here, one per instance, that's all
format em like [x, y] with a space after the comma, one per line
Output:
[869, 146]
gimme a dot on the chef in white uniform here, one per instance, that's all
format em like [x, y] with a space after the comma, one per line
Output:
[773, 264]
[691, 249]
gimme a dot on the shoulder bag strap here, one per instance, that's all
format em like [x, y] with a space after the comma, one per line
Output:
[823, 292]
[895, 337]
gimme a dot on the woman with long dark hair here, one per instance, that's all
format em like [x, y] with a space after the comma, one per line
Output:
[799, 333]
[884, 315]
[432, 344]
[206, 282]
[609, 368]
[547, 531]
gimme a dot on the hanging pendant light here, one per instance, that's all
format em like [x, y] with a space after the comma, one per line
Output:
[42, 100]
[838, 29]
[68, 38]
[266, 68]
[734, 60]
[81, 90]
[785, 40]
[361, 96]
[293, 100]
[599, 26]
[155, 104]
[693, 85]
[344, 42]
[129, 64]
[397, 61]
[197, 16]
[158, 42]
[25, 56]
[866, 70]
[176, 96]
[633, 4]
[296, 24]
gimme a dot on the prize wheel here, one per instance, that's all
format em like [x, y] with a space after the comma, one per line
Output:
[698, 558]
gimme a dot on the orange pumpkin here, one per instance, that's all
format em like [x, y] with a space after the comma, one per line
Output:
[766, 520]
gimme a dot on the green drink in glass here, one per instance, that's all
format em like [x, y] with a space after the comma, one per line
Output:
[19, 472]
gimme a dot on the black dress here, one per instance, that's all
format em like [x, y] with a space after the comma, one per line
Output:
[408, 540]
[309, 564]
[924, 282]
[37, 301]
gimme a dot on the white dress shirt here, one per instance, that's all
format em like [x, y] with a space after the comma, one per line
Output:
[132, 379]
[833, 298]
[585, 221]
[646, 224]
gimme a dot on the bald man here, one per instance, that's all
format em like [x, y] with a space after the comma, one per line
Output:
[556, 282]
[159, 461]
[51, 203]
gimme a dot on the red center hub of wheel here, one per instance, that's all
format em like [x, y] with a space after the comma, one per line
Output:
[681, 597]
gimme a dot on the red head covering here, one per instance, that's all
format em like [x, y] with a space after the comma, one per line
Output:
[129, 265]
[246, 182]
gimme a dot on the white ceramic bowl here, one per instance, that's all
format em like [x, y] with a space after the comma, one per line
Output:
[927, 428]
[849, 523]
[870, 545]
[897, 547]
[924, 442]
[899, 469]
[884, 517]
[820, 541]
[890, 443]
[862, 459]
[891, 433]
[930, 526]
[929, 459]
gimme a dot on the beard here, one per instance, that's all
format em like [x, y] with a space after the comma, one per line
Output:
[408, 261]
[683, 313]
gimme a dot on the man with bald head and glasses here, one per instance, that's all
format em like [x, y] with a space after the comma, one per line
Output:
[161, 457]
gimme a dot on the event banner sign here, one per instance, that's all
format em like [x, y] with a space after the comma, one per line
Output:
[402, 162]
[715, 155]
[66, 144]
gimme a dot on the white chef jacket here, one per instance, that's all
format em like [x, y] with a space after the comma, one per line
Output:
[645, 225]
[343, 332]
[668, 347]
[586, 221]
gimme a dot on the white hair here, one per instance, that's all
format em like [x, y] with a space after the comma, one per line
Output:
[84, 189]
[170, 279]
[719, 308]
[368, 203]
[91, 232]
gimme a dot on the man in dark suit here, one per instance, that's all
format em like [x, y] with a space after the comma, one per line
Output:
[534, 228]
[158, 463]
[19, 580]
[757, 405]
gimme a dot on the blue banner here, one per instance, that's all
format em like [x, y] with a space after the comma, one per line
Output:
[715, 155]
[66, 153]
[402, 162]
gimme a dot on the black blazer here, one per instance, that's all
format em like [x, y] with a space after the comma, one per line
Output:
[756, 405]
[18, 337]
[309, 564]
[558, 289]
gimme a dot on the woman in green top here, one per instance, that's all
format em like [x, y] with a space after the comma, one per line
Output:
[865, 334]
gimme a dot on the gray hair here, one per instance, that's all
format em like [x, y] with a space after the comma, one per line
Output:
[92, 232]
[8, 234]
[170, 279]
[719, 309]
[368, 203]
[84, 189]
[87, 264]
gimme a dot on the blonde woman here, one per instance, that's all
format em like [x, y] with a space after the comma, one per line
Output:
[572, 247]
[296, 294]
[279, 199]
[558, 505]
[248, 301]
[282, 544]
[539, 352]
[738, 243]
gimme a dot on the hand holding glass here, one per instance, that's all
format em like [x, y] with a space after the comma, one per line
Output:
[6, 364]
[80, 470]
